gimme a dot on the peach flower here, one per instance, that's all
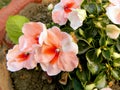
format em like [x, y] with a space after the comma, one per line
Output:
[31, 32]
[62, 9]
[17, 60]
[113, 13]
[57, 53]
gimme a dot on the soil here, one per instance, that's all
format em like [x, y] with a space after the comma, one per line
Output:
[36, 79]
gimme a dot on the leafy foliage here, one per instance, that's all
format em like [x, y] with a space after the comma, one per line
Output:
[96, 50]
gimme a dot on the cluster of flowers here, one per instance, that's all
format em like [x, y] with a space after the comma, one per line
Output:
[53, 49]
[69, 10]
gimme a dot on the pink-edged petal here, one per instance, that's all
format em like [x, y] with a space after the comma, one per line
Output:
[76, 18]
[113, 13]
[58, 15]
[38, 54]
[67, 43]
[67, 61]
[31, 62]
[26, 43]
[33, 28]
[14, 66]
[45, 54]
[44, 66]
[12, 53]
[75, 2]
[53, 37]
[51, 69]
[115, 2]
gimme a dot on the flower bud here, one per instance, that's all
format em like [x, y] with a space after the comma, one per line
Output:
[50, 7]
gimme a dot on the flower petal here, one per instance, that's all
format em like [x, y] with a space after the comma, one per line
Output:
[33, 28]
[76, 18]
[16, 62]
[58, 15]
[44, 54]
[67, 61]
[31, 62]
[51, 69]
[67, 44]
[26, 43]
[112, 31]
[107, 88]
[76, 3]
[115, 2]
[113, 13]
[14, 66]
[53, 37]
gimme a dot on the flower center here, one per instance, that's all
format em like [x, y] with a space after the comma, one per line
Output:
[37, 40]
[68, 6]
[23, 56]
[55, 58]
[57, 50]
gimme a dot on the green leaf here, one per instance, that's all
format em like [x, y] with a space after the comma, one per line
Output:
[115, 74]
[102, 41]
[90, 86]
[91, 8]
[81, 32]
[100, 80]
[83, 76]
[91, 55]
[14, 27]
[118, 45]
[116, 62]
[93, 67]
[76, 84]
[83, 46]
[106, 54]
[93, 61]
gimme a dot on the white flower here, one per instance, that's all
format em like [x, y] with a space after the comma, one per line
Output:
[112, 31]
[113, 13]
[76, 18]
